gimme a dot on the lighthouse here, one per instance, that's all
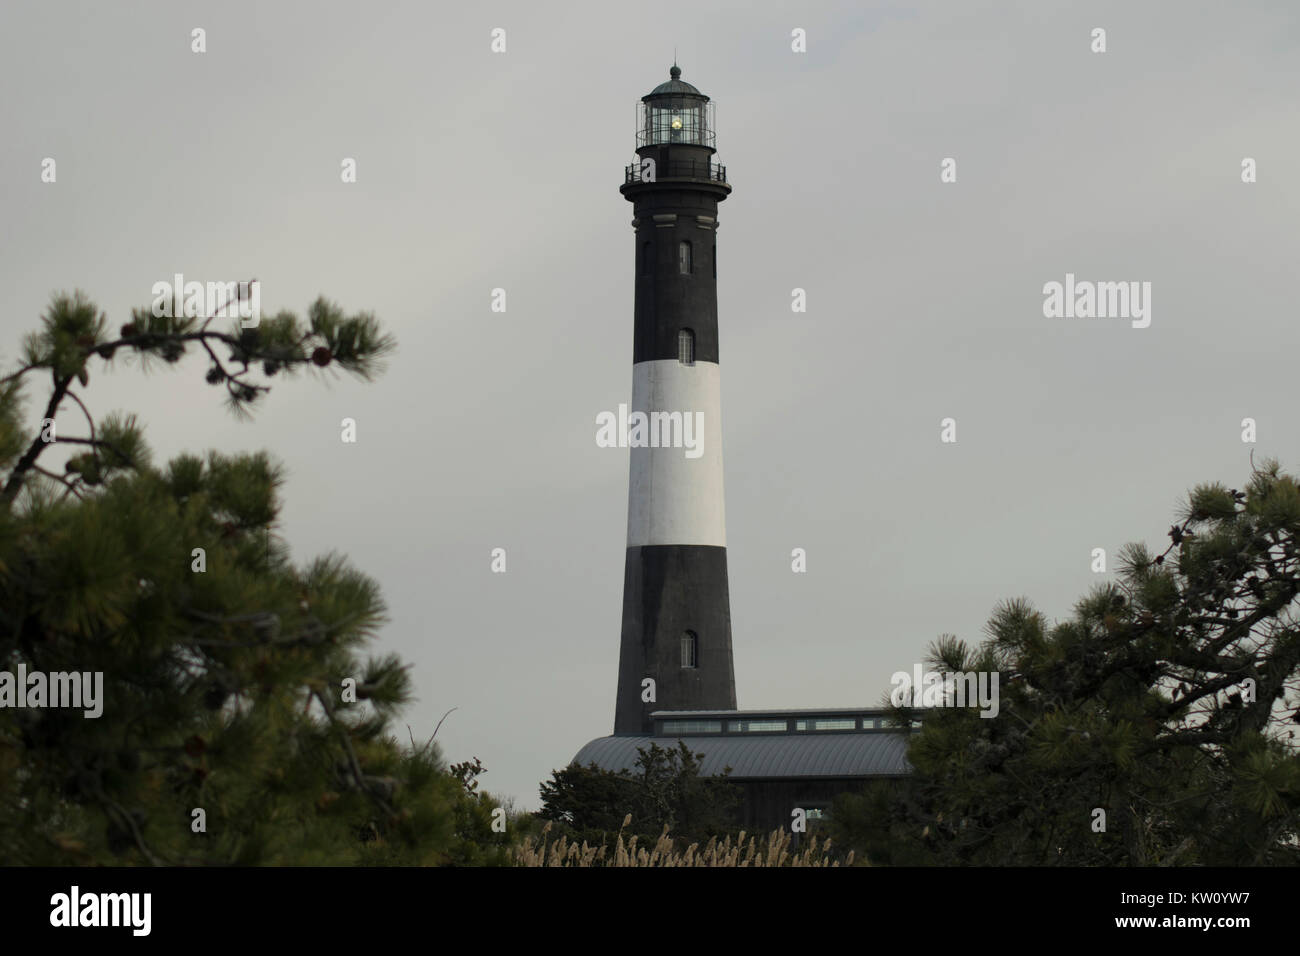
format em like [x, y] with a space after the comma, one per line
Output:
[676, 680]
[675, 649]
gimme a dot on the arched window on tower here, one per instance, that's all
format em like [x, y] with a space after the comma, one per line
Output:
[686, 347]
[685, 262]
[690, 649]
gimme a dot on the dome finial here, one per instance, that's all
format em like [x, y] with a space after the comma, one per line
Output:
[676, 71]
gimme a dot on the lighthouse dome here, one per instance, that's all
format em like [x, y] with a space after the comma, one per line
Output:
[675, 86]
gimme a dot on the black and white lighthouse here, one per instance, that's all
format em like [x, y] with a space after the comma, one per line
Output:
[676, 680]
[675, 651]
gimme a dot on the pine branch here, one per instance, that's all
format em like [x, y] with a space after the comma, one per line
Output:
[38, 444]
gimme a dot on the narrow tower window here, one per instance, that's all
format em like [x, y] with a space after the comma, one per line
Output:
[689, 647]
[685, 265]
[645, 258]
[686, 347]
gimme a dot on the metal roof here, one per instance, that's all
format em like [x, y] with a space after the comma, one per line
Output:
[674, 86]
[768, 756]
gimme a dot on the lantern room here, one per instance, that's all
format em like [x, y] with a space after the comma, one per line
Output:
[675, 112]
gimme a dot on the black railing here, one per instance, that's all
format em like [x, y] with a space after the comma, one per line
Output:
[677, 169]
[661, 133]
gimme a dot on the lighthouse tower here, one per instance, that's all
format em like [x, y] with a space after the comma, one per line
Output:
[675, 651]
[676, 681]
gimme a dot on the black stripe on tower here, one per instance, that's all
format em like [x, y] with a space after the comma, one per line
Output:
[668, 296]
[671, 592]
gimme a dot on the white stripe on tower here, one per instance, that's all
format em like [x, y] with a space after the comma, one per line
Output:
[672, 498]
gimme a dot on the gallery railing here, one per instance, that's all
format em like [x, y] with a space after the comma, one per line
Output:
[677, 169]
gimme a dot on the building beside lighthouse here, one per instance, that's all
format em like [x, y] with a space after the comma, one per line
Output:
[676, 674]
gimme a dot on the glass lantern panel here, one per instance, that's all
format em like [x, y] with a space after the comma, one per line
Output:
[676, 125]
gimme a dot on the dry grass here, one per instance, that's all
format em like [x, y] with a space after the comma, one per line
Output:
[776, 852]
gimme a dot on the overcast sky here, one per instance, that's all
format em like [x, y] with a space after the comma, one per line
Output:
[478, 170]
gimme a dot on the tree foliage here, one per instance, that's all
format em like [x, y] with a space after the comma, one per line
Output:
[226, 736]
[664, 790]
[1168, 701]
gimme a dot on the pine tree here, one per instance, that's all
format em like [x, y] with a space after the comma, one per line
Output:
[1168, 702]
[240, 723]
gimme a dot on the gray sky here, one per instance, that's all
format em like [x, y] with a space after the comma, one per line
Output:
[479, 170]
